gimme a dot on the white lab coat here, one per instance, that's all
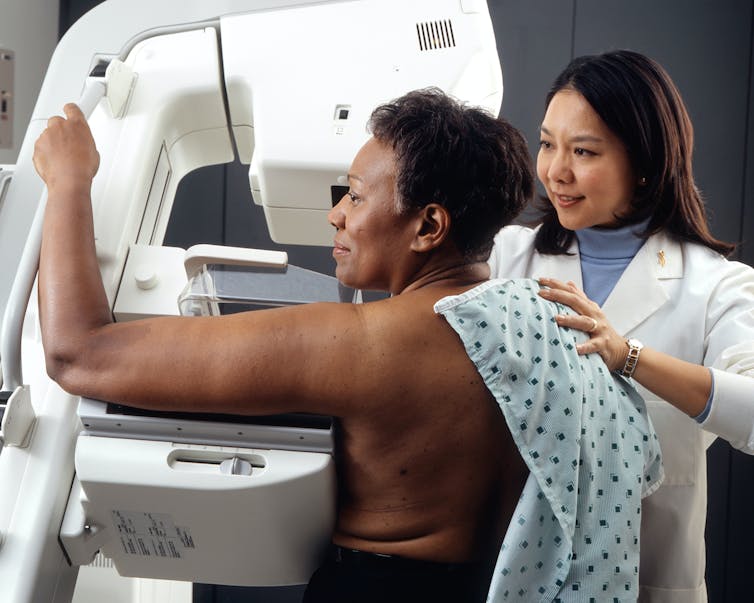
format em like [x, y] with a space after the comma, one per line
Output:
[687, 301]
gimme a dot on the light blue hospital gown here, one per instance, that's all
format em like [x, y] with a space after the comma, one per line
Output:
[586, 437]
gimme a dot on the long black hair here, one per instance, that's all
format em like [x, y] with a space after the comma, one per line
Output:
[638, 101]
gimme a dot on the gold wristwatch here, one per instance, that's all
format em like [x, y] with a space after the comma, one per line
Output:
[634, 349]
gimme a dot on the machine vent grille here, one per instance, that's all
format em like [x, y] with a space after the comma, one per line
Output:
[101, 561]
[435, 34]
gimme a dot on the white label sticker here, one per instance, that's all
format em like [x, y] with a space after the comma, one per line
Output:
[151, 534]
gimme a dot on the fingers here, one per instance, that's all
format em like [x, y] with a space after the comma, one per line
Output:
[588, 347]
[589, 325]
[557, 284]
[569, 295]
[560, 289]
[54, 121]
[580, 322]
[592, 326]
[73, 112]
[576, 302]
[602, 338]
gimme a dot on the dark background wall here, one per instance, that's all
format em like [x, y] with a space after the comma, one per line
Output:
[707, 47]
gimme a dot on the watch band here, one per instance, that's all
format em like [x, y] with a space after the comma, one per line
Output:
[634, 349]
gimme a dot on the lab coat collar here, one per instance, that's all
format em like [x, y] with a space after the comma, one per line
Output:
[639, 292]
[562, 267]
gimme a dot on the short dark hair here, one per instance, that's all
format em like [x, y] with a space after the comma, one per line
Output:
[475, 165]
[638, 101]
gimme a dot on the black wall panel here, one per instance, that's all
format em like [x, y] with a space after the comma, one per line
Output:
[199, 210]
[747, 210]
[534, 42]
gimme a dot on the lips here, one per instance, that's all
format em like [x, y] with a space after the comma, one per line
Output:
[339, 249]
[567, 200]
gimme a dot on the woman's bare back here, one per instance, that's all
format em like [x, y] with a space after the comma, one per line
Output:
[429, 470]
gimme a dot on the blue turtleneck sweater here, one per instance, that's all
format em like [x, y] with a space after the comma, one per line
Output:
[605, 253]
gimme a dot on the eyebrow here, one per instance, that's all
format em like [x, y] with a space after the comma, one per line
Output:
[579, 138]
[354, 177]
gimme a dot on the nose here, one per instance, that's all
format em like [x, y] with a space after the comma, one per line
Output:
[336, 216]
[558, 167]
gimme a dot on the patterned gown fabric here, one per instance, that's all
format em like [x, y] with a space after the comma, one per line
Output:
[585, 436]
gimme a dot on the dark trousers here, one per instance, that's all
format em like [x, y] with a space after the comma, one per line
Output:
[349, 576]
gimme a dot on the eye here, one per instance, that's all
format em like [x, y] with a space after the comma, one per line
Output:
[355, 199]
[583, 152]
[544, 144]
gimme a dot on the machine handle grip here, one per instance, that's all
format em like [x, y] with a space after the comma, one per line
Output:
[94, 91]
[199, 255]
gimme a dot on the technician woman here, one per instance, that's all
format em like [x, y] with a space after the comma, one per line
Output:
[625, 233]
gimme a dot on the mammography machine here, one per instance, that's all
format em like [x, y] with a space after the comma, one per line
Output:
[285, 86]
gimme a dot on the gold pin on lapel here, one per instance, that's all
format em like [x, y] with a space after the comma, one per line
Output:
[661, 258]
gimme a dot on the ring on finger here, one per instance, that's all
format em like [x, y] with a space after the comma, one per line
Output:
[594, 325]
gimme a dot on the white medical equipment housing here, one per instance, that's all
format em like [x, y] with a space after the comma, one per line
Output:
[285, 86]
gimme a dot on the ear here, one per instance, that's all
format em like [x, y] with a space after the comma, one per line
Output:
[433, 228]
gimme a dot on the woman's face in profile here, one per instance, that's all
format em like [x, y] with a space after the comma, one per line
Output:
[372, 237]
[583, 166]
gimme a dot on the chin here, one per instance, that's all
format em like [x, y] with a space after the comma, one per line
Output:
[344, 279]
[572, 223]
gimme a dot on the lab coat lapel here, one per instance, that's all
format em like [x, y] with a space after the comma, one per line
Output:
[562, 267]
[639, 292]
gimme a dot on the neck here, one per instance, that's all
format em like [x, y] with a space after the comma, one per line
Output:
[461, 274]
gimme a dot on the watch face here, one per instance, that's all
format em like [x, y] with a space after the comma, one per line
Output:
[635, 343]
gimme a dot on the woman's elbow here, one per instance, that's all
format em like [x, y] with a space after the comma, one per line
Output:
[61, 364]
